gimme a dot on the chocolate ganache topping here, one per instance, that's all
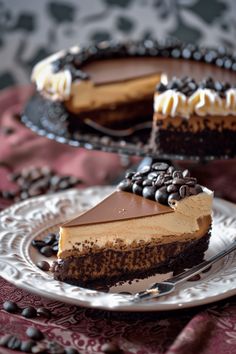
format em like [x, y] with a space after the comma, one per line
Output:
[161, 182]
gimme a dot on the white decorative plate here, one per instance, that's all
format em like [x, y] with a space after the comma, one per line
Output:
[24, 221]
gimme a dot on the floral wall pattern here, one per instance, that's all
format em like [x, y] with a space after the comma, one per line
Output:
[31, 30]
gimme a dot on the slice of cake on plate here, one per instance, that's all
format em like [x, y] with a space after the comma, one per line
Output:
[157, 219]
[192, 118]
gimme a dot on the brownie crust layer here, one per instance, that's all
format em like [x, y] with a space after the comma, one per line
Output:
[92, 270]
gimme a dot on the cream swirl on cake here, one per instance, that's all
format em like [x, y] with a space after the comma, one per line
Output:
[183, 98]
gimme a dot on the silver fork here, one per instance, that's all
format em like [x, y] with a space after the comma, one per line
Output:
[167, 286]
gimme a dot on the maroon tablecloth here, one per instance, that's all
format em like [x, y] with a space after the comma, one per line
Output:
[208, 329]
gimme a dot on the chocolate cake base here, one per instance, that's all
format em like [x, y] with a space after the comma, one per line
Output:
[118, 267]
[206, 142]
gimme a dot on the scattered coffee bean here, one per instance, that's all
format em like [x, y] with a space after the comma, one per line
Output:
[43, 265]
[34, 333]
[27, 345]
[5, 339]
[162, 195]
[29, 312]
[39, 348]
[55, 348]
[160, 166]
[46, 251]
[14, 343]
[44, 312]
[71, 350]
[149, 192]
[111, 348]
[10, 306]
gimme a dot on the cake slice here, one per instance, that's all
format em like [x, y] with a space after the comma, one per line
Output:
[192, 118]
[157, 219]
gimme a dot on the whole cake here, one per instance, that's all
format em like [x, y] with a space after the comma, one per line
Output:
[192, 118]
[158, 219]
[111, 85]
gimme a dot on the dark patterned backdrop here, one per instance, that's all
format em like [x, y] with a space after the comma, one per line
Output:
[31, 30]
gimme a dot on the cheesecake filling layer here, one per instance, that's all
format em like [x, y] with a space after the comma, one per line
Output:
[191, 218]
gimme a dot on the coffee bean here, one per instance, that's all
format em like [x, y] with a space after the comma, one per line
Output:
[137, 189]
[171, 170]
[198, 188]
[49, 239]
[44, 312]
[125, 185]
[161, 195]
[144, 170]
[178, 181]
[5, 339]
[27, 345]
[29, 312]
[160, 166]
[10, 306]
[14, 343]
[46, 251]
[55, 180]
[189, 183]
[55, 248]
[111, 348]
[71, 350]
[184, 191]
[173, 197]
[177, 174]
[172, 188]
[186, 173]
[43, 265]
[149, 192]
[129, 175]
[39, 348]
[38, 244]
[168, 182]
[152, 175]
[147, 182]
[55, 348]
[192, 191]
[34, 333]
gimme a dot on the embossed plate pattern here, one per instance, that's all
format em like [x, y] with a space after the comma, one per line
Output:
[36, 217]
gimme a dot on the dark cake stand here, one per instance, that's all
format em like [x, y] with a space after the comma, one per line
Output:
[51, 120]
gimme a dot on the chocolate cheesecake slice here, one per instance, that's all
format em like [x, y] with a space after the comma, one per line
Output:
[158, 219]
[194, 118]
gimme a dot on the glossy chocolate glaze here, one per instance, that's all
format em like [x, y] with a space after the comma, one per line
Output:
[119, 206]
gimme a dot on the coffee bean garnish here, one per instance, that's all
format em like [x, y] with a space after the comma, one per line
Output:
[5, 339]
[111, 348]
[10, 306]
[14, 343]
[34, 333]
[137, 189]
[125, 185]
[149, 192]
[55, 348]
[46, 251]
[44, 312]
[27, 345]
[29, 312]
[49, 239]
[38, 244]
[43, 265]
[162, 195]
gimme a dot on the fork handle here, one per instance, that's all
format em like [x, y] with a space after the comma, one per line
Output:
[202, 266]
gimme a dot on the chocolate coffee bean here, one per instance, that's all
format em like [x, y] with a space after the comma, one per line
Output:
[125, 185]
[144, 170]
[5, 339]
[149, 192]
[178, 181]
[152, 175]
[137, 189]
[147, 182]
[34, 333]
[55, 348]
[29, 312]
[160, 166]
[172, 188]
[186, 173]
[162, 195]
[173, 197]
[46, 251]
[10, 306]
[27, 345]
[49, 239]
[170, 170]
[184, 191]
[44, 312]
[14, 343]
[43, 265]
[177, 174]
